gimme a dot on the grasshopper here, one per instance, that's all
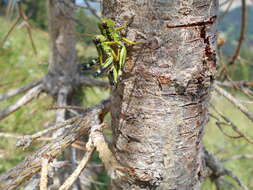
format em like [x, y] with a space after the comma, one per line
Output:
[108, 29]
[106, 59]
[109, 42]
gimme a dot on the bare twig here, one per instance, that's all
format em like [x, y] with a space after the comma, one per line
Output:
[62, 100]
[243, 86]
[14, 136]
[9, 32]
[232, 125]
[235, 84]
[112, 166]
[219, 170]
[20, 90]
[28, 139]
[219, 125]
[242, 32]
[245, 60]
[29, 96]
[238, 157]
[93, 11]
[32, 164]
[234, 101]
[44, 173]
[27, 25]
[83, 80]
[227, 9]
[67, 107]
[69, 182]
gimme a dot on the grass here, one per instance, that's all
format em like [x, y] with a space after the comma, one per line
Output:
[19, 66]
[225, 147]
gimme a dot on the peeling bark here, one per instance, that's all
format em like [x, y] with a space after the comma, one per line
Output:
[159, 109]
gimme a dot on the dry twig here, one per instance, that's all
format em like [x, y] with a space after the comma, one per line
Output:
[29, 96]
[71, 179]
[242, 32]
[238, 157]
[14, 92]
[83, 80]
[232, 125]
[32, 164]
[93, 11]
[28, 139]
[112, 166]
[234, 101]
[219, 170]
[27, 24]
[44, 173]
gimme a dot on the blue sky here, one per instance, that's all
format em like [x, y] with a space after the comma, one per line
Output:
[94, 5]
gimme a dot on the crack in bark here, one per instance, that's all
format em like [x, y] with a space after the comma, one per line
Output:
[195, 24]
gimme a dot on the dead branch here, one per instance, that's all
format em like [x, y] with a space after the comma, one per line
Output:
[96, 140]
[33, 184]
[28, 139]
[44, 173]
[32, 164]
[83, 80]
[27, 25]
[67, 107]
[234, 101]
[9, 32]
[242, 32]
[232, 125]
[219, 125]
[93, 11]
[112, 166]
[29, 96]
[227, 9]
[14, 136]
[71, 179]
[14, 92]
[238, 157]
[23, 17]
[244, 86]
[221, 183]
[236, 84]
[219, 170]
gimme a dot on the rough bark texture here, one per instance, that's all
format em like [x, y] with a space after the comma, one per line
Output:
[62, 67]
[159, 109]
[32, 164]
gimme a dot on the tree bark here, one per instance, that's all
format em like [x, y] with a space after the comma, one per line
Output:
[159, 108]
[62, 67]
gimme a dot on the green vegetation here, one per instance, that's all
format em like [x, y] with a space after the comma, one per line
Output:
[225, 147]
[19, 66]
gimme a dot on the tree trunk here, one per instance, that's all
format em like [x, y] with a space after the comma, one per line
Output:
[159, 109]
[62, 66]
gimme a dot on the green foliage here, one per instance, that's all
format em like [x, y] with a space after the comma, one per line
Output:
[86, 27]
[19, 66]
[37, 12]
[225, 147]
